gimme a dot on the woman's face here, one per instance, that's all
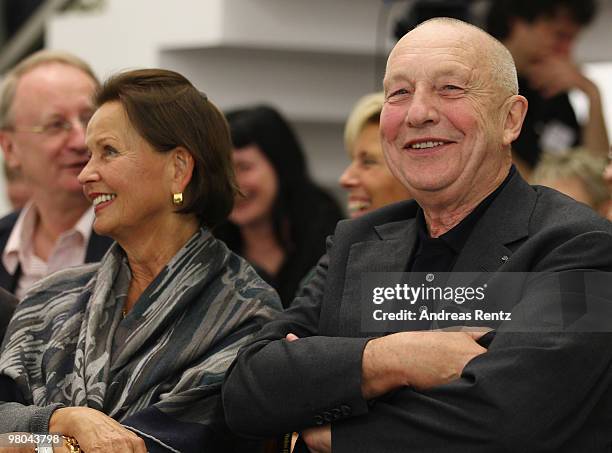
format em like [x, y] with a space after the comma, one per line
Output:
[367, 179]
[128, 182]
[258, 183]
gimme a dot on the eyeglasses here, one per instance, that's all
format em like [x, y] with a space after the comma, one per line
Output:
[53, 128]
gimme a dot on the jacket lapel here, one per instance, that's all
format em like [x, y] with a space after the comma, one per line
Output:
[389, 253]
[487, 248]
[503, 223]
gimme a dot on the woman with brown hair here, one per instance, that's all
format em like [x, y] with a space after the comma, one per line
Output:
[133, 350]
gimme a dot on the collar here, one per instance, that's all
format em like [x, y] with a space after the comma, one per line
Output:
[22, 234]
[458, 236]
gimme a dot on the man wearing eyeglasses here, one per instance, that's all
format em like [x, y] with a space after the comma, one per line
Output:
[45, 104]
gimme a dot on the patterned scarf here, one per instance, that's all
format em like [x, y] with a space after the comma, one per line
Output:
[178, 341]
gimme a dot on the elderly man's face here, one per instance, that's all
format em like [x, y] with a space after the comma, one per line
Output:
[441, 124]
[50, 156]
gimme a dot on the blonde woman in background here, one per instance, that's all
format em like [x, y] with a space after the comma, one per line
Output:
[368, 181]
[577, 174]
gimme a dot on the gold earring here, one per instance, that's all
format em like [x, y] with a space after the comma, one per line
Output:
[177, 198]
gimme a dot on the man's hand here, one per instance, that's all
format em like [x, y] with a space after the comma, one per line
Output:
[419, 359]
[290, 337]
[318, 439]
[556, 75]
[94, 431]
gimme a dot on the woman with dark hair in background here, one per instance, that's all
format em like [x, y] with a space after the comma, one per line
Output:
[282, 218]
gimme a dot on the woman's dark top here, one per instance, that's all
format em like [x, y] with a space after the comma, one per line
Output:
[303, 253]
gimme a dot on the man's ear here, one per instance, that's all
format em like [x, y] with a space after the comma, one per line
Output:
[8, 149]
[516, 109]
[181, 166]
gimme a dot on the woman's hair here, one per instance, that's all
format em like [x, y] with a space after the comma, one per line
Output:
[302, 211]
[168, 111]
[366, 111]
[580, 164]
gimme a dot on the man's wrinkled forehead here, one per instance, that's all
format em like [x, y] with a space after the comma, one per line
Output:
[438, 35]
[415, 50]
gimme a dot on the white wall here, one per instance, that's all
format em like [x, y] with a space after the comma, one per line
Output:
[310, 58]
[601, 74]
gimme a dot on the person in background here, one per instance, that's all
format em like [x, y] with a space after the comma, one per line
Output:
[577, 174]
[281, 217]
[17, 189]
[132, 350]
[45, 104]
[367, 179]
[540, 35]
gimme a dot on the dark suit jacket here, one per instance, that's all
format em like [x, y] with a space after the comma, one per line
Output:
[530, 392]
[7, 307]
[96, 248]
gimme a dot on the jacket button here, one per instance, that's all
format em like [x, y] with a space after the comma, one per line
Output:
[327, 416]
[318, 420]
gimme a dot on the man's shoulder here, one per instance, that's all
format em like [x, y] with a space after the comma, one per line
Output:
[7, 302]
[564, 234]
[8, 222]
[522, 210]
[555, 210]
[366, 224]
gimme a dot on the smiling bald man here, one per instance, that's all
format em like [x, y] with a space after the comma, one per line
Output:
[451, 112]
